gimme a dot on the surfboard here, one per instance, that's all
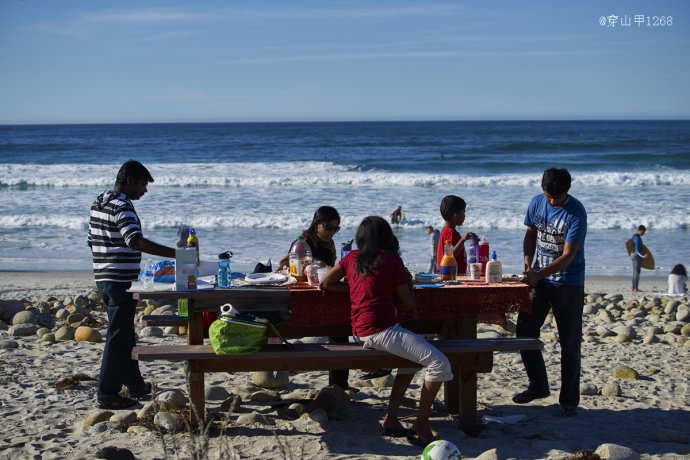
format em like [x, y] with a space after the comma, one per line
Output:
[647, 262]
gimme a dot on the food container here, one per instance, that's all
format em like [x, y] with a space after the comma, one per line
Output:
[476, 271]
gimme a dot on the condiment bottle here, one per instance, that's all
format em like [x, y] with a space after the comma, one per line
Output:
[449, 266]
[193, 242]
[494, 270]
[483, 256]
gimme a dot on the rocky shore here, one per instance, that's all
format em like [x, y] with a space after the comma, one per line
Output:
[635, 390]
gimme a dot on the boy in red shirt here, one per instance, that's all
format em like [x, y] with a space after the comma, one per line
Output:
[453, 213]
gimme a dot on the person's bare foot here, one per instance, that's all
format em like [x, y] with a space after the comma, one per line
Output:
[423, 432]
[392, 427]
[636, 290]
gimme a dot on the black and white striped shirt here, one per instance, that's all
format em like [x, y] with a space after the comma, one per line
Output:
[113, 227]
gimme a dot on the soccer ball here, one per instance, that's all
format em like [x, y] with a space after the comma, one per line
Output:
[441, 450]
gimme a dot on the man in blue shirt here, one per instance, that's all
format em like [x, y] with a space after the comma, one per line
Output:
[556, 229]
[637, 256]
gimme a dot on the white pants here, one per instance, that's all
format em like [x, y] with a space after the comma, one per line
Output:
[399, 341]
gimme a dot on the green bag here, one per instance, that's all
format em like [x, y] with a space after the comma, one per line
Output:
[240, 336]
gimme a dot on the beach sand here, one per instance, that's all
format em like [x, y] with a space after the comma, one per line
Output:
[651, 416]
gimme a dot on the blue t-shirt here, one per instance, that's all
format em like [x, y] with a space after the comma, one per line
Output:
[555, 227]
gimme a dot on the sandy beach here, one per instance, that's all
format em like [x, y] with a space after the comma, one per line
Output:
[648, 416]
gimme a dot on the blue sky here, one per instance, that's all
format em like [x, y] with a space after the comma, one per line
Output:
[165, 61]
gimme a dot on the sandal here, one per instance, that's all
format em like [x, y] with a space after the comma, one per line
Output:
[140, 394]
[119, 403]
[376, 374]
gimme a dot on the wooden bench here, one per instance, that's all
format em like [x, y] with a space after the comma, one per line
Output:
[164, 320]
[467, 357]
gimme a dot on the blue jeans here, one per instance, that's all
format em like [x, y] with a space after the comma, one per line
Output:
[567, 303]
[117, 366]
[637, 267]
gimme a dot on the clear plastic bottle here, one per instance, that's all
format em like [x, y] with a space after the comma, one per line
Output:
[148, 275]
[449, 266]
[471, 257]
[224, 277]
[300, 257]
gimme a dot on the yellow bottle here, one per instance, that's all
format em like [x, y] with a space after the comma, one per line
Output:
[449, 266]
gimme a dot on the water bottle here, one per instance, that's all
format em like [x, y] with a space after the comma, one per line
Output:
[483, 255]
[471, 256]
[300, 257]
[148, 275]
[449, 266]
[224, 277]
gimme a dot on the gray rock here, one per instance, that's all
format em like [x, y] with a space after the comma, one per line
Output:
[683, 314]
[22, 330]
[151, 331]
[6, 344]
[611, 389]
[685, 330]
[589, 309]
[318, 416]
[41, 331]
[614, 297]
[24, 317]
[649, 339]
[270, 379]
[589, 389]
[9, 308]
[64, 333]
[169, 421]
[62, 314]
[254, 419]
[231, 404]
[165, 310]
[172, 399]
[492, 454]
[672, 328]
[81, 301]
[616, 452]
[74, 318]
[605, 316]
[216, 393]
[103, 427]
[603, 331]
[672, 307]
[171, 330]
[591, 298]
[264, 396]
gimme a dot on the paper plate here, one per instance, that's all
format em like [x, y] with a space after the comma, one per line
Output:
[265, 278]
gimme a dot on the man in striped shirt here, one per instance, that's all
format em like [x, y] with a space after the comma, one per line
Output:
[116, 242]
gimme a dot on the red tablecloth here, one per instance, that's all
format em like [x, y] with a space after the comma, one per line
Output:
[489, 303]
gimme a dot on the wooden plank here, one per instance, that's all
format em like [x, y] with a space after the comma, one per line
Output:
[163, 320]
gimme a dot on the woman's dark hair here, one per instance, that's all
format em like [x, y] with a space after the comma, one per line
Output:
[679, 270]
[322, 215]
[132, 168]
[555, 182]
[374, 236]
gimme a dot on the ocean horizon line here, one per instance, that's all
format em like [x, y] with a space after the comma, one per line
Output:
[351, 121]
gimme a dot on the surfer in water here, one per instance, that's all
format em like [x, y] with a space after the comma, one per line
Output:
[398, 215]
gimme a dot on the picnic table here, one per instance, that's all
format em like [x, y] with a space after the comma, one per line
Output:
[450, 311]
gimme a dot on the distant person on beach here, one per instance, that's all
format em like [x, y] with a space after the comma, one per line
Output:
[319, 237]
[377, 275]
[556, 229]
[116, 242]
[453, 213]
[637, 256]
[434, 236]
[397, 215]
[677, 279]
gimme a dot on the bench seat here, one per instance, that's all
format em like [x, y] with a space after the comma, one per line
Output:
[467, 357]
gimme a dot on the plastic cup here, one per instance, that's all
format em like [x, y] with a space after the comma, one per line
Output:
[476, 271]
[322, 273]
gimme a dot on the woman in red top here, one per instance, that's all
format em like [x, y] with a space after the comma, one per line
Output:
[377, 276]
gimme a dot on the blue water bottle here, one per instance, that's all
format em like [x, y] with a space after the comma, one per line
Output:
[224, 274]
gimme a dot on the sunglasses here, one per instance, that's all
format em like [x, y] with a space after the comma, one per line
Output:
[330, 228]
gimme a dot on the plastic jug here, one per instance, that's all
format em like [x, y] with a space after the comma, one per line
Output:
[449, 266]
[300, 257]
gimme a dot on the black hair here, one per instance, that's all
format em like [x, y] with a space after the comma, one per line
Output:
[450, 205]
[322, 215]
[555, 182]
[374, 236]
[642, 227]
[132, 168]
[679, 270]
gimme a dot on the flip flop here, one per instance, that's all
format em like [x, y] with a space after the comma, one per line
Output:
[415, 440]
[376, 374]
[120, 403]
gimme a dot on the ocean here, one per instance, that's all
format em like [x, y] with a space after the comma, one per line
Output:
[251, 188]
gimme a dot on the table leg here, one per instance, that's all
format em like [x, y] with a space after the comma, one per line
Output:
[467, 393]
[462, 327]
[197, 396]
[195, 326]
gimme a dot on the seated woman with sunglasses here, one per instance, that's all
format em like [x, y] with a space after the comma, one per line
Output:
[319, 237]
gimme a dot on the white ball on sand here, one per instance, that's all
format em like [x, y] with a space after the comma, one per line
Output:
[441, 450]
